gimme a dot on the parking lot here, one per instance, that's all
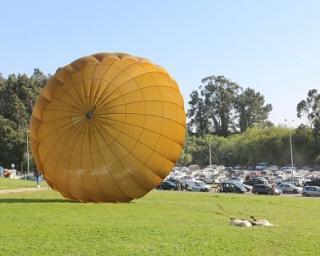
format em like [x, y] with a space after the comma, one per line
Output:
[273, 181]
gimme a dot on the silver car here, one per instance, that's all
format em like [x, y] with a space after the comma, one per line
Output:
[289, 188]
[311, 191]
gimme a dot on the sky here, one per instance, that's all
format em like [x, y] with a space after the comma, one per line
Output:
[271, 46]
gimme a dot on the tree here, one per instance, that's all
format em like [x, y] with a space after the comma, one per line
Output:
[310, 108]
[220, 107]
[199, 122]
[219, 97]
[252, 109]
[256, 144]
[12, 143]
[18, 94]
[2, 80]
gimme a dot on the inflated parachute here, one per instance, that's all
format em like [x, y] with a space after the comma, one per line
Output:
[107, 127]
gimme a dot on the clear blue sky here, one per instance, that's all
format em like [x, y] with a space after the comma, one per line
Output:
[271, 46]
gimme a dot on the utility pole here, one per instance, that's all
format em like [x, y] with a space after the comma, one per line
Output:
[291, 154]
[28, 155]
[210, 160]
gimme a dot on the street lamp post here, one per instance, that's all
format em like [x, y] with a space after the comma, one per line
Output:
[208, 140]
[210, 160]
[28, 154]
[291, 154]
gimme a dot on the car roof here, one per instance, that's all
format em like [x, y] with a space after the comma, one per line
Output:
[238, 184]
[262, 185]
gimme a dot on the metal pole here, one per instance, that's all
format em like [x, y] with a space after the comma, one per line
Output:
[28, 155]
[291, 155]
[210, 160]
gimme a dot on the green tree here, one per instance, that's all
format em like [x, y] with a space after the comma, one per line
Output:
[256, 144]
[310, 107]
[220, 107]
[252, 109]
[198, 115]
[18, 94]
[12, 143]
[219, 97]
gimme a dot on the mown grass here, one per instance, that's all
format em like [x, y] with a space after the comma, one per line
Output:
[161, 223]
[6, 183]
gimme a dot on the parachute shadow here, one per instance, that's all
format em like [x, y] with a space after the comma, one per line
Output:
[33, 200]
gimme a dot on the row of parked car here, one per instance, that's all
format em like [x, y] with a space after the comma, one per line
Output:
[233, 187]
[256, 185]
[188, 185]
[261, 186]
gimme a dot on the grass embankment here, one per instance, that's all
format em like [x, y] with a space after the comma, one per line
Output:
[6, 183]
[162, 223]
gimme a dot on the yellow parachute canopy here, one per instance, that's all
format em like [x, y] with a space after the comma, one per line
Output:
[107, 127]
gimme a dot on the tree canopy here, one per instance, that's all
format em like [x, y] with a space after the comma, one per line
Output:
[18, 94]
[310, 107]
[221, 107]
[256, 144]
[251, 108]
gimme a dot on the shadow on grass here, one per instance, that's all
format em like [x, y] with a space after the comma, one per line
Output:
[33, 200]
[49, 201]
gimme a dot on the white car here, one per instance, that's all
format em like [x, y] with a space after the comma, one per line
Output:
[197, 185]
[289, 188]
[183, 179]
[206, 178]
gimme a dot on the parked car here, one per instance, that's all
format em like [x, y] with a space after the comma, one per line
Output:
[197, 185]
[298, 181]
[265, 189]
[206, 178]
[313, 183]
[171, 179]
[167, 185]
[247, 187]
[289, 188]
[232, 187]
[311, 191]
[236, 179]
[262, 166]
[184, 178]
[278, 179]
[256, 180]
[288, 169]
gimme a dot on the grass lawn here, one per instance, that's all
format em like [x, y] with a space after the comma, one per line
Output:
[162, 223]
[11, 184]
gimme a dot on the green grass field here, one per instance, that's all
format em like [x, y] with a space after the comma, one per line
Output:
[162, 223]
[11, 184]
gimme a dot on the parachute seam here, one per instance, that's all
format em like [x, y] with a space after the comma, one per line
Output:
[138, 141]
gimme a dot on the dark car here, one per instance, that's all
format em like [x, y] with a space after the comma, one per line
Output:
[167, 185]
[256, 180]
[265, 189]
[312, 183]
[173, 180]
[230, 187]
